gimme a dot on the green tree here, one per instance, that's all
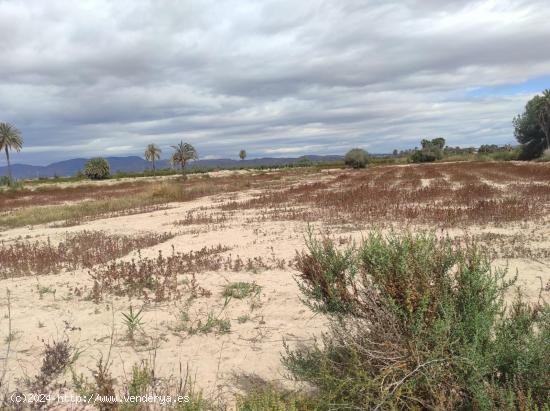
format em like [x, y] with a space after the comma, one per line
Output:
[431, 150]
[10, 139]
[183, 153]
[543, 116]
[439, 142]
[532, 128]
[242, 154]
[425, 156]
[356, 158]
[152, 153]
[97, 169]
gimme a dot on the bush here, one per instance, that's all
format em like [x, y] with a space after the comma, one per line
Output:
[97, 169]
[426, 155]
[356, 158]
[506, 155]
[419, 322]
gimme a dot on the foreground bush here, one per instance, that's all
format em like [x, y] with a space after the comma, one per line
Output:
[97, 169]
[356, 158]
[418, 322]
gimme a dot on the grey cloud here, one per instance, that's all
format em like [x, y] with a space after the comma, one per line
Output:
[274, 77]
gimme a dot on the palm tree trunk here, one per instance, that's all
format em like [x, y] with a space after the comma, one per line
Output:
[154, 171]
[8, 159]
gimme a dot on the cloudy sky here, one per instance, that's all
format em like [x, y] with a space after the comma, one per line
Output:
[278, 78]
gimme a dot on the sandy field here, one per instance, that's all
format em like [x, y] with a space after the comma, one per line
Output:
[221, 340]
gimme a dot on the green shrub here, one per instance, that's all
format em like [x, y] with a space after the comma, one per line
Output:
[419, 322]
[240, 290]
[356, 158]
[97, 169]
[506, 155]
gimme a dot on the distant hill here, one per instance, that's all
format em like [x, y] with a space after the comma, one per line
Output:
[135, 164]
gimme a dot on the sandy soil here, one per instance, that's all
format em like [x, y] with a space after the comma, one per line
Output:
[252, 346]
[66, 184]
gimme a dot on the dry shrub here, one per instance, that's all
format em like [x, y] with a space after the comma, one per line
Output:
[78, 250]
[202, 218]
[40, 392]
[445, 194]
[155, 278]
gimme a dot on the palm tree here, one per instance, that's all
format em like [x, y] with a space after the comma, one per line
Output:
[184, 152]
[242, 154]
[10, 139]
[152, 153]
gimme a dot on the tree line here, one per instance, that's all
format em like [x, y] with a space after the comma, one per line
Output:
[531, 130]
[98, 167]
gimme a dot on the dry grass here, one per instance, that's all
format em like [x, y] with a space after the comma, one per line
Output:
[79, 250]
[445, 194]
[202, 218]
[173, 277]
[529, 245]
[156, 278]
[32, 207]
[54, 195]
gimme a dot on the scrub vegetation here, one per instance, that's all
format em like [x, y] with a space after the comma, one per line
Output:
[384, 287]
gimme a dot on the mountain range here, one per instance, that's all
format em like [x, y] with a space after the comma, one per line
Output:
[133, 164]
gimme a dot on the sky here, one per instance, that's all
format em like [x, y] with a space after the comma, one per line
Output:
[277, 78]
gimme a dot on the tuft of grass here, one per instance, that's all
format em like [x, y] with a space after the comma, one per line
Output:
[243, 318]
[212, 323]
[240, 290]
[43, 290]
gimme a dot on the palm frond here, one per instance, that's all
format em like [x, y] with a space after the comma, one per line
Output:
[10, 137]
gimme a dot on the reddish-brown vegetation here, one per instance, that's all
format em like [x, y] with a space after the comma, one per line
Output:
[79, 250]
[444, 194]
